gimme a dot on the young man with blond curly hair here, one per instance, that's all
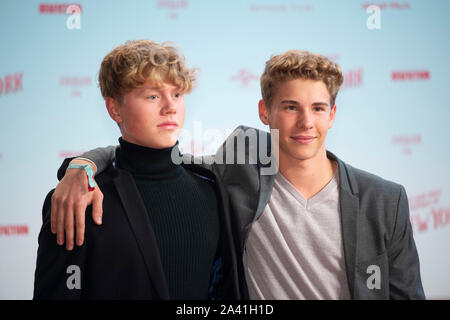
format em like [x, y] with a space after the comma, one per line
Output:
[318, 228]
[166, 234]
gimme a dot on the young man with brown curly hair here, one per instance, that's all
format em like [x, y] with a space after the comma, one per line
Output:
[318, 228]
[166, 234]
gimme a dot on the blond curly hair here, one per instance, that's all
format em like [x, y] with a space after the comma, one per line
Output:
[297, 64]
[130, 65]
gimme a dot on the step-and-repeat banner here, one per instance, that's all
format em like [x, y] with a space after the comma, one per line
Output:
[392, 112]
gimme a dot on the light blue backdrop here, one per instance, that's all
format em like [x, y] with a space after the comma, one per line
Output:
[396, 129]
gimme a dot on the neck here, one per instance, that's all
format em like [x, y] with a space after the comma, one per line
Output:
[308, 176]
[145, 162]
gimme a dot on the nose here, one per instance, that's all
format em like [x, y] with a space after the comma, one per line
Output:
[305, 120]
[170, 106]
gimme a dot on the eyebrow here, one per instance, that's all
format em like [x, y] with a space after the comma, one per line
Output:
[148, 88]
[314, 103]
[144, 89]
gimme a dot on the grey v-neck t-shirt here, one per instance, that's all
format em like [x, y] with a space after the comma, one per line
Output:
[294, 249]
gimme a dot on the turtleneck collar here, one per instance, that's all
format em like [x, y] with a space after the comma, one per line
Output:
[145, 162]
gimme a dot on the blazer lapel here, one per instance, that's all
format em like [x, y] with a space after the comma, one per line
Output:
[349, 206]
[140, 224]
[267, 171]
[265, 191]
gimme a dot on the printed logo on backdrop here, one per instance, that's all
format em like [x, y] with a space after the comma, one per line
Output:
[11, 83]
[407, 142]
[70, 154]
[394, 5]
[58, 8]
[73, 22]
[13, 230]
[427, 213]
[277, 7]
[75, 84]
[244, 77]
[410, 75]
[353, 78]
[173, 6]
[373, 9]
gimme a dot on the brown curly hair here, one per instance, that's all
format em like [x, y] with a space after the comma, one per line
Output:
[297, 64]
[130, 65]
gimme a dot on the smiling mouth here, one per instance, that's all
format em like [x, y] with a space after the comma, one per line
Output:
[303, 139]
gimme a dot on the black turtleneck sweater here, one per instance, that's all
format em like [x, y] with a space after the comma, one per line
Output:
[184, 214]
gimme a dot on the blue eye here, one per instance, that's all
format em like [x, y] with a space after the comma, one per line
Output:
[177, 95]
[152, 97]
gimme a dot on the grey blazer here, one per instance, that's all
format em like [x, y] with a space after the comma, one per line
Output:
[381, 258]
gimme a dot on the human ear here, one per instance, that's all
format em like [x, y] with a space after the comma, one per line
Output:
[113, 108]
[332, 116]
[263, 112]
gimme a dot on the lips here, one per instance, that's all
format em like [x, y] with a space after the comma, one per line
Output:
[303, 139]
[169, 125]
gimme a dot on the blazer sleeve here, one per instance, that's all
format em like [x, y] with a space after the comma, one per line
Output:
[102, 157]
[59, 273]
[404, 267]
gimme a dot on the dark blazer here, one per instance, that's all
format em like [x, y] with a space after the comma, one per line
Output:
[120, 258]
[376, 230]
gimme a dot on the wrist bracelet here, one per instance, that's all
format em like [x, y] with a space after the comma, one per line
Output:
[89, 172]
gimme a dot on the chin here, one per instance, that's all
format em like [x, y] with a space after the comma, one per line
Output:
[302, 154]
[161, 141]
[166, 143]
